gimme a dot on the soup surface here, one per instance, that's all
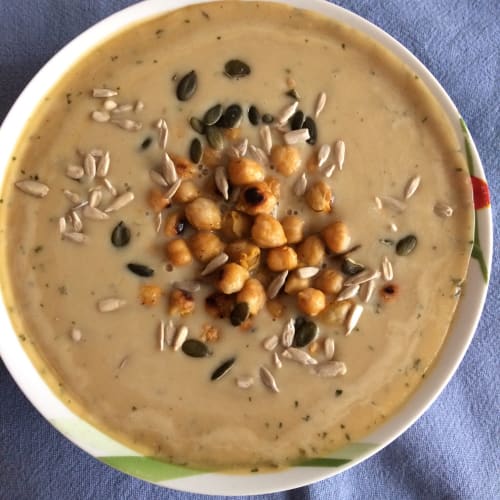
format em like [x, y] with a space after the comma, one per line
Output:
[372, 159]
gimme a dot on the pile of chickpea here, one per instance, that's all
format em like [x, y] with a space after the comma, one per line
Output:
[256, 243]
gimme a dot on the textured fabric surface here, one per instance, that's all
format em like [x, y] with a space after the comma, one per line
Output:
[452, 451]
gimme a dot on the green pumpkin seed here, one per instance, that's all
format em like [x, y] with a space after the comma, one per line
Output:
[305, 332]
[310, 125]
[253, 115]
[187, 86]
[239, 314]
[267, 118]
[213, 115]
[197, 125]
[406, 245]
[232, 116]
[215, 138]
[222, 369]
[236, 69]
[297, 120]
[140, 270]
[120, 235]
[195, 348]
[351, 268]
[195, 150]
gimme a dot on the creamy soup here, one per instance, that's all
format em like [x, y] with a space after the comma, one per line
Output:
[235, 235]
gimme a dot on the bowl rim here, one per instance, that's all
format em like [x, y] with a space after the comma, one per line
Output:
[465, 321]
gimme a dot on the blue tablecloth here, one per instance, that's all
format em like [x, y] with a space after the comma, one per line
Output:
[452, 452]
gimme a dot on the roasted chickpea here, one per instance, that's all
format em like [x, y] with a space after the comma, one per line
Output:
[211, 157]
[293, 226]
[256, 198]
[336, 236]
[180, 303]
[185, 168]
[205, 245]
[281, 259]
[319, 197]
[156, 200]
[294, 284]
[150, 295]
[243, 171]
[329, 281]
[203, 214]
[244, 253]
[232, 134]
[175, 223]
[236, 225]
[311, 301]
[275, 307]
[336, 312]
[267, 232]
[231, 278]
[253, 294]
[312, 162]
[188, 191]
[311, 251]
[286, 159]
[274, 185]
[178, 252]
[219, 305]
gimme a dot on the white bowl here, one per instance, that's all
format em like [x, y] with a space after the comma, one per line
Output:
[113, 453]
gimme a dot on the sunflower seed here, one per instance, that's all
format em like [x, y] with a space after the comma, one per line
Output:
[74, 172]
[195, 348]
[187, 86]
[102, 92]
[213, 115]
[109, 105]
[95, 198]
[138, 107]
[221, 182]
[350, 267]
[158, 221]
[223, 369]
[162, 134]
[268, 380]
[348, 292]
[235, 194]
[236, 69]
[120, 201]
[387, 271]
[123, 108]
[339, 153]
[76, 334]
[110, 187]
[406, 245]
[100, 116]
[62, 225]
[307, 272]
[353, 317]
[94, 213]
[253, 115]
[110, 304]
[277, 360]
[76, 237]
[297, 136]
[170, 332]
[362, 277]
[287, 112]
[33, 188]
[170, 192]
[270, 343]
[123, 362]
[244, 382]
[300, 356]
[76, 222]
[157, 178]
[215, 138]
[378, 202]
[180, 337]
[331, 369]
[103, 165]
[300, 185]
[89, 166]
[412, 187]
[162, 335]
[329, 347]
[276, 285]
[323, 154]
[443, 210]
[393, 227]
[266, 139]
[125, 124]
[168, 169]
[187, 286]
[320, 104]
[195, 150]
[329, 170]
[242, 147]
[82, 204]
[393, 203]
[366, 291]
[258, 155]
[288, 333]
[215, 263]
